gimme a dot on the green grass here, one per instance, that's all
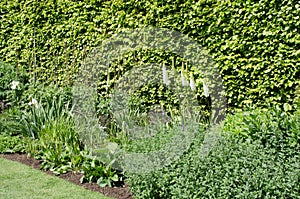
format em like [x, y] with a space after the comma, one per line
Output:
[21, 181]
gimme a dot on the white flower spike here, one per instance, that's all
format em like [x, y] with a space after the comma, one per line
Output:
[205, 89]
[166, 80]
[183, 80]
[14, 85]
[192, 82]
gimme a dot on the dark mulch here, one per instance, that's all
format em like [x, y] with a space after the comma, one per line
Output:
[115, 192]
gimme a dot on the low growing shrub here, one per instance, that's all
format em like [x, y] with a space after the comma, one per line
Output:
[273, 128]
[252, 159]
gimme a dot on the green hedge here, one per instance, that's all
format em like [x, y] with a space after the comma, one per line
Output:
[255, 43]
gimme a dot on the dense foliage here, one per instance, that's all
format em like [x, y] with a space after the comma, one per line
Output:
[12, 144]
[255, 43]
[45, 129]
[9, 75]
[257, 157]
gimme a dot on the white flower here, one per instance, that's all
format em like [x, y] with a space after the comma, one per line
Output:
[183, 80]
[205, 89]
[192, 82]
[166, 80]
[14, 84]
[34, 103]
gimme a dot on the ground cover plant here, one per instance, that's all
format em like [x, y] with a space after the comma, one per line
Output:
[257, 157]
[12, 144]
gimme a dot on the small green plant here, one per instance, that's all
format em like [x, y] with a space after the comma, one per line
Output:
[12, 144]
[297, 98]
[103, 174]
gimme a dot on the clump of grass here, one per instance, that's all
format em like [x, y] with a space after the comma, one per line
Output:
[31, 122]
[58, 146]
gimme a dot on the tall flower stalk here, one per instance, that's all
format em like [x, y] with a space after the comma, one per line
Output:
[166, 80]
[205, 89]
[192, 82]
[183, 78]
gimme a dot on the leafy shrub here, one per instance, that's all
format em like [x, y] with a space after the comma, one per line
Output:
[10, 141]
[251, 164]
[33, 106]
[43, 93]
[276, 130]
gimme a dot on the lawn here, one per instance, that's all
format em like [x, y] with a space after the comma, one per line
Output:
[21, 181]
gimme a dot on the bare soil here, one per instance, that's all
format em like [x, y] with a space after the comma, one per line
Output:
[114, 192]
